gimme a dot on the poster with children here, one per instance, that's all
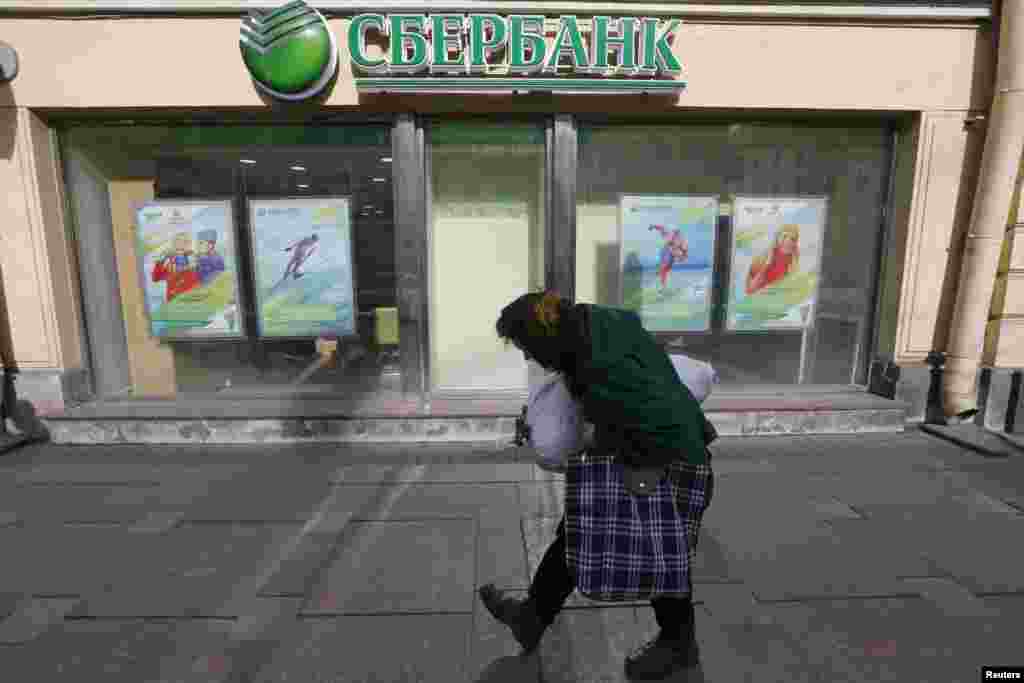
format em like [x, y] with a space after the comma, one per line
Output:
[303, 258]
[776, 261]
[189, 268]
[668, 259]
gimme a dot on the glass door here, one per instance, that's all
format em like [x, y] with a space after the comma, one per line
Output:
[486, 247]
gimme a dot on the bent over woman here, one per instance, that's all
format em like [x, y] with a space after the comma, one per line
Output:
[645, 420]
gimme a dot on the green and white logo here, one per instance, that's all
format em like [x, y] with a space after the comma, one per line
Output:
[290, 52]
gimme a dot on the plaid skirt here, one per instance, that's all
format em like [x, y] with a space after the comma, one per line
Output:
[621, 547]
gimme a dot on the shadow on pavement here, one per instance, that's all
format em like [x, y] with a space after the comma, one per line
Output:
[510, 669]
[523, 669]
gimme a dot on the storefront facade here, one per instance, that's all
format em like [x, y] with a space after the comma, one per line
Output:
[776, 191]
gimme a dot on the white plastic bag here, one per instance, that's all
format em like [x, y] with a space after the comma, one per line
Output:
[556, 423]
[698, 376]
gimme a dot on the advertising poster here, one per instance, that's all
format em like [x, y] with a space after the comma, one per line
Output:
[776, 259]
[189, 268]
[668, 258]
[303, 261]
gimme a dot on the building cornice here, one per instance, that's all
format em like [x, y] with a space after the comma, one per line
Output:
[861, 11]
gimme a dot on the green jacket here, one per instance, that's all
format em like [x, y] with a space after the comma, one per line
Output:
[632, 394]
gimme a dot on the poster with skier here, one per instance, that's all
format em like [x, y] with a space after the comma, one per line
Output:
[189, 268]
[667, 259]
[303, 267]
[776, 262]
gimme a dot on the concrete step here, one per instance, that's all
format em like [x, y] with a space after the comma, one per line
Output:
[392, 418]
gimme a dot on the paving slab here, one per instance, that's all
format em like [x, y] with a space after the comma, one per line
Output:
[902, 487]
[9, 602]
[850, 561]
[435, 573]
[1010, 608]
[464, 473]
[32, 618]
[508, 669]
[196, 571]
[265, 618]
[93, 473]
[979, 532]
[728, 603]
[299, 568]
[343, 504]
[776, 499]
[452, 500]
[56, 504]
[985, 557]
[495, 655]
[230, 663]
[1003, 484]
[501, 553]
[589, 645]
[243, 503]
[114, 651]
[754, 534]
[749, 651]
[542, 498]
[711, 564]
[69, 559]
[953, 599]
[373, 648]
[891, 640]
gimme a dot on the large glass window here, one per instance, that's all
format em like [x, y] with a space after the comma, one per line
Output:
[486, 248]
[753, 245]
[237, 250]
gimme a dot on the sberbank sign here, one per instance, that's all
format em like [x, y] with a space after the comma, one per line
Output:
[474, 52]
[494, 53]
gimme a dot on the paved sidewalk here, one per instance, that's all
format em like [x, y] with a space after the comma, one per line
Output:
[888, 557]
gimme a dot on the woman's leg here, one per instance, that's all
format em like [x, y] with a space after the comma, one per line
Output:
[674, 617]
[552, 584]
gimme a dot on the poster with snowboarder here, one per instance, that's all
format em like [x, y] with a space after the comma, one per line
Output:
[303, 262]
[189, 269]
[668, 259]
[776, 261]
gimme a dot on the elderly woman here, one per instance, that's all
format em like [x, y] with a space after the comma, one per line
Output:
[644, 415]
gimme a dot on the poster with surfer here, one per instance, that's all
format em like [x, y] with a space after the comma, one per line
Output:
[776, 262]
[303, 262]
[667, 259]
[189, 270]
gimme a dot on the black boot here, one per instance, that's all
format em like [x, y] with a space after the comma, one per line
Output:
[519, 615]
[661, 658]
[670, 652]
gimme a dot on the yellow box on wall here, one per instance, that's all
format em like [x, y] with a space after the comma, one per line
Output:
[386, 326]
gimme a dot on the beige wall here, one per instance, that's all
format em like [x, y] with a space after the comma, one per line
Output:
[129, 63]
[944, 176]
[1006, 332]
[942, 70]
[36, 257]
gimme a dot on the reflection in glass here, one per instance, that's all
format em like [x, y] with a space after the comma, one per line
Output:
[774, 319]
[352, 273]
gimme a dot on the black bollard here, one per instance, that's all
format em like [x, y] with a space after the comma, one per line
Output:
[1011, 407]
[934, 413]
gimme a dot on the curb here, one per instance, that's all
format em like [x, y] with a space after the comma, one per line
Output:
[12, 443]
[975, 438]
